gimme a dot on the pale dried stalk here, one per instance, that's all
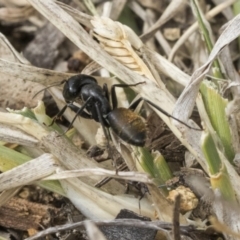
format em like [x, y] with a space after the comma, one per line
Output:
[105, 205]
[50, 140]
[83, 18]
[223, 228]
[117, 8]
[30, 73]
[93, 231]
[14, 3]
[13, 135]
[132, 176]
[173, 8]
[25, 173]
[15, 15]
[11, 51]
[120, 41]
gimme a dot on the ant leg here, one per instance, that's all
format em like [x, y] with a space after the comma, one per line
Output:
[60, 113]
[100, 118]
[113, 92]
[79, 112]
[169, 115]
[75, 109]
[99, 184]
[105, 90]
[135, 104]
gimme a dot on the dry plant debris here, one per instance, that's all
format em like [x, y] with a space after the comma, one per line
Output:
[186, 53]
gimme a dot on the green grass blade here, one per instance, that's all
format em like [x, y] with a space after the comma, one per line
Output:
[155, 165]
[206, 32]
[218, 174]
[215, 106]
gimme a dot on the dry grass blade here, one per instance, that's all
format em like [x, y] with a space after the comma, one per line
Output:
[116, 8]
[91, 68]
[13, 135]
[93, 232]
[59, 146]
[173, 8]
[167, 68]
[9, 52]
[184, 105]
[225, 57]
[105, 205]
[27, 173]
[30, 73]
[133, 176]
[119, 41]
[79, 16]
[18, 3]
[16, 15]
[223, 228]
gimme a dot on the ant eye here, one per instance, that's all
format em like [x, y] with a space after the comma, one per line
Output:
[69, 93]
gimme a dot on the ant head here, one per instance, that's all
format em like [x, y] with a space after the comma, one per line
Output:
[72, 87]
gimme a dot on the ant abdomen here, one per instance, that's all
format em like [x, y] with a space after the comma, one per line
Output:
[128, 125]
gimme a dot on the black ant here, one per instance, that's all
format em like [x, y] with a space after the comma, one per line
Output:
[128, 125]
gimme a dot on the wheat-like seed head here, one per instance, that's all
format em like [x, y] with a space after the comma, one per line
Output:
[121, 43]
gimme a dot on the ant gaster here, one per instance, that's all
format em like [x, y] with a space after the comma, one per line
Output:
[128, 125]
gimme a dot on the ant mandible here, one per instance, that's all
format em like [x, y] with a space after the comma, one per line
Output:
[126, 124]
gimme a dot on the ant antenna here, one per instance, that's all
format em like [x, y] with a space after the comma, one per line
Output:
[53, 85]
